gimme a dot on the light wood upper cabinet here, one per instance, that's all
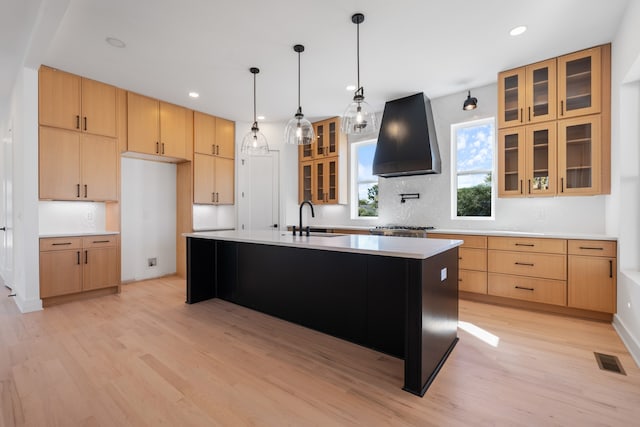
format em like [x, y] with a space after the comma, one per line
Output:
[580, 82]
[511, 162]
[328, 139]
[511, 93]
[213, 180]
[75, 166]
[213, 135]
[157, 128]
[580, 156]
[71, 102]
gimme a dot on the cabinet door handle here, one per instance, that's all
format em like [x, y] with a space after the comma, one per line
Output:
[524, 263]
[85, 191]
[521, 115]
[61, 244]
[163, 148]
[217, 149]
[562, 107]
[524, 289]
[77, 190]
[213, 149]
[86, 257]
[217, 197]
[520, 186]
[529, 186]
[460, 258]
[610, 269]
[525, 244]
[78, 257]
[529, 113]
[157, 147]
[213, 197]
[77, 122]
[85, 123]
[562, 185]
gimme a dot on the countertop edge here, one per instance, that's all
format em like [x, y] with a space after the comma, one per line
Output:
[81, 234]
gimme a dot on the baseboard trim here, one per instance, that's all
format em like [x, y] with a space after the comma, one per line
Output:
[27, 306]
[629, 341]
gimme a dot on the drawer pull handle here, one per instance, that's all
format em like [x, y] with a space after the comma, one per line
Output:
[592, 248]
[530, 245]
[460, 279]
[101, 241]
[524, 289]
[60, 244]
[460, 258]
[524, 263]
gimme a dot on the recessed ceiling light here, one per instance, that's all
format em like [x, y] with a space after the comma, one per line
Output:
[351, 87]
[115, 42]
[518, 30]
[261, 117]
[194, 94]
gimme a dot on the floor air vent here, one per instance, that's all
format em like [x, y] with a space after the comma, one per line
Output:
[607, 362]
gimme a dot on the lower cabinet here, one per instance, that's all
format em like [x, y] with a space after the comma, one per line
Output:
[472, 261]
[592, 275]
[72, 265]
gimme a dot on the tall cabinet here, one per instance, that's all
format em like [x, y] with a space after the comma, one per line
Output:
[554, 120]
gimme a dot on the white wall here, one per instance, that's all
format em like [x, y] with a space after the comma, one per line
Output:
[148, 218]
[71, 217]
[623, 206]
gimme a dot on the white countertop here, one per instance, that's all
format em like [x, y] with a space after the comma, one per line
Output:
[513, 233]
[401, 247]
[79, 234]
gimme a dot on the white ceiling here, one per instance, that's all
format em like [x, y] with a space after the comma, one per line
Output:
[407, 46]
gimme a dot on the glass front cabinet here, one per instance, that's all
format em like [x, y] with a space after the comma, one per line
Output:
[579, 155]
[579, 83]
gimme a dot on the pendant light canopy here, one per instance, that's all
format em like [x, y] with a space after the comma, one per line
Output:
[299, 131]
[358, 117]
[254, 142]
[470, 103]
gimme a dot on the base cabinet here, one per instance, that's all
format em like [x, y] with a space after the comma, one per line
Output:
[592, 275]
[73, 265]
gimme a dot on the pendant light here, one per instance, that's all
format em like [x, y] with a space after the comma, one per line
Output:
[299, 131]
[358, 117]
[254, 142]
[470, 103]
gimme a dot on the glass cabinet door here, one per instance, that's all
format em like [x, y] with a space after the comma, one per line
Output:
[332, 143]
[319, 182]
[320, 141]
[541, 91]
[332, 165]
[510, 162]
[541, 159]
[305, 182]
[579, 155]
[511, 96]
[579, 82]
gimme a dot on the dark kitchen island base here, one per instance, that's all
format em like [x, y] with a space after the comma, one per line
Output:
[405, 307]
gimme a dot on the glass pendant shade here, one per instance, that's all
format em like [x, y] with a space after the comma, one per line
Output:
[254, 142]
[358, 119]
[299, 131]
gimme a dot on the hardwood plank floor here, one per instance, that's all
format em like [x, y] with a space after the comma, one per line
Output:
[145, 358]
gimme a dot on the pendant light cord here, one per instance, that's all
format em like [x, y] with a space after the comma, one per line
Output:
[255, 120]
[358, 51]
[299, 104]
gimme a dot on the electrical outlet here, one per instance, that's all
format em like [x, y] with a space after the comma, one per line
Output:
[152, 262]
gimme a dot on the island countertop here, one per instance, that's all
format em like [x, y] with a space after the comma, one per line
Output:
[401, 247]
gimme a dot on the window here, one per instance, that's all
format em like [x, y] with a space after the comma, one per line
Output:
[472, 151]
[364, 184]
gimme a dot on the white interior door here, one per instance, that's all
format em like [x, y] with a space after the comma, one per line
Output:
[6, 211]
[259, 207]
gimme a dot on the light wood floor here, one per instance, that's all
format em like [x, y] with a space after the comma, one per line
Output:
[144, 357]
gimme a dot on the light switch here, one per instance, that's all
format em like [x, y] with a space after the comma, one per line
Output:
[443, 274]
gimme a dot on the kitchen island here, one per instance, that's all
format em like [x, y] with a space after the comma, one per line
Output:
[396, 295]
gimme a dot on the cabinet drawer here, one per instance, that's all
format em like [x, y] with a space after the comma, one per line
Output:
[472, 281]
[528, 289]
[98, 241]
[470, 241]
[472, 259]
[605, 248]
[525, 244]
[60, 243]
[548, 266]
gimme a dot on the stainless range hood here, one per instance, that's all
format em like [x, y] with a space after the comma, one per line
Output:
[407, 143]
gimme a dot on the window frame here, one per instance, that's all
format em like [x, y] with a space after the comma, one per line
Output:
[454, 168]
[354, 182]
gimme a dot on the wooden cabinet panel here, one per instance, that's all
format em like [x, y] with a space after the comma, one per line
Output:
[60, 272]
[604, 248]
[592, 283]
[99, 168]
[580, 155]
[470, 241]
[225, 138]
[548, 266]
[59, 99]
[173, 130]
[99, 241]
[143, 131]
[60, 243]
[528, 289]
[203, 175]
[579, 83]
[528, 244]
[59, 157]
[223, 182]
[100, 268]
[204, 133]
[99, 109]
[472, 259]
[472, 281]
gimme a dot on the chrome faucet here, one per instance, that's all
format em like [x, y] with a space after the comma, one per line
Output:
[313, 215]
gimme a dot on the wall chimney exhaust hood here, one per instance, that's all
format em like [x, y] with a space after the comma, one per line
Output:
[407, 143]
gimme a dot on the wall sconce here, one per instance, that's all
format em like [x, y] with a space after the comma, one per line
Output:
[470, 103]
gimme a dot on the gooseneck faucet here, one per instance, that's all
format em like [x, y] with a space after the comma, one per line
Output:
[313, 215]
